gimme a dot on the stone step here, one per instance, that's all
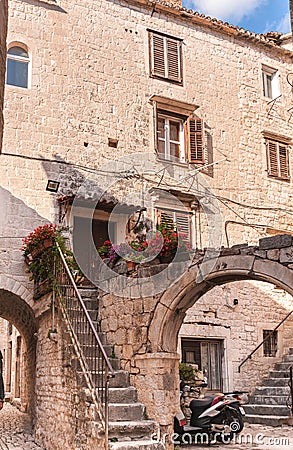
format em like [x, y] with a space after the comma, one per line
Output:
[268, 399]
[88, 292]
[272, 390]
[267, 410]
[121, 379]
[288, 358]
[126, 430]
[136, 445]
[273, 421]
[122, 395]
[283, 366]
[126, 412]
[275, 382]
[90, 303]
[278, 374]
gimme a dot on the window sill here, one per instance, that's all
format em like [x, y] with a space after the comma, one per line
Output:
[173, 163]
[271, 177]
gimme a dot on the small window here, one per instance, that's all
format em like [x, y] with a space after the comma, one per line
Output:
[165, 57]
[278, 159]
[270, 80]
[270, 345]
[17, 67]
[179, 138]
[182, 220]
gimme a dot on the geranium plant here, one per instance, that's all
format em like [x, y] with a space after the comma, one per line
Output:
[104, 250]
[42, 237]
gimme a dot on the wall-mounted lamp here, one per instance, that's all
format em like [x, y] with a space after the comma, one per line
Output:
[52, 186]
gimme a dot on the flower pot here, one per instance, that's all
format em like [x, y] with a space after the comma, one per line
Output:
[47, 243]
[37, 251]
[130, 266]
[166, 259]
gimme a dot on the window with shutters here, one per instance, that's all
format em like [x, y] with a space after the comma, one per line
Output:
[278, 159]
[182, 220]
[165, 57]
[270, 82]
[179, 138]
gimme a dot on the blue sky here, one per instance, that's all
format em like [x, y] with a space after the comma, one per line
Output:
[259, 16]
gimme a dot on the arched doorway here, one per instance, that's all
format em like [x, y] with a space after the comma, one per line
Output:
[17, 312]
[170, 311]
[158, 368]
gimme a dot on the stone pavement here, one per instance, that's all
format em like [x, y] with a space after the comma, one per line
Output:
[254, 437]
[15, 430]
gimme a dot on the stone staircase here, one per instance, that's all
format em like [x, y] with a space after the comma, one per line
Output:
[268, 404]
[129, 428]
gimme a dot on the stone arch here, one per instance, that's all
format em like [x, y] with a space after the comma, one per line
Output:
[15, 307]
[170, 311]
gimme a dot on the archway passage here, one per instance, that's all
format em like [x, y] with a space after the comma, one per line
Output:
[18, 313]
[271, 261]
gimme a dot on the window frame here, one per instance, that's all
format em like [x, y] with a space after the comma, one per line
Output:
[20, 59]
[278, 164]
[174, 214]
[191, 139]
[162, 57]
[270, 343]
[175, 118]
[270, 82]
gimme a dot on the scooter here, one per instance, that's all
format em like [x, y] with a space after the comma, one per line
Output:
[213, 419]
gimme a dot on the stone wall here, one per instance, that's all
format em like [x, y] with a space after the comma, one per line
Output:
[3, 32]
[79, 95]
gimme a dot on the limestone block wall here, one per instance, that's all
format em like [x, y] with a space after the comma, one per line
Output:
[87, 89]
[3, 33]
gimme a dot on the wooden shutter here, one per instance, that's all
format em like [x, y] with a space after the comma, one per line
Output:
[272, 150]
[284, 161]
[195, 145]
[183, 224]
[158, 55]
[174, 59]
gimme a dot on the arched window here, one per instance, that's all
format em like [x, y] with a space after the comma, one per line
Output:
[17, 67]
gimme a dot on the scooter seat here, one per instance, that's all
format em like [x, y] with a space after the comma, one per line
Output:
[201, 403]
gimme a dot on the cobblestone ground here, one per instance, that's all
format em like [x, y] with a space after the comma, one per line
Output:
[254, 437]
[15, 430]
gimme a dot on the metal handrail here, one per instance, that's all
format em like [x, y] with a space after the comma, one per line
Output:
[92, 357]
[265, 339]
[291, 389]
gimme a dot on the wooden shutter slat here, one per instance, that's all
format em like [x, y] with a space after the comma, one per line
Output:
[173, 59]
[284, 161]
[273, 159]
[158, 59]
[195, 140]
[183, 224]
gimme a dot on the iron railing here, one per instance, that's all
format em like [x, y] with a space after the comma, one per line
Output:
[265, 339]
[93, 360]
[290, 397]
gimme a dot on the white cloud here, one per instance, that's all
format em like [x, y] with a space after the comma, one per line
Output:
[283, 25]
[227, 10]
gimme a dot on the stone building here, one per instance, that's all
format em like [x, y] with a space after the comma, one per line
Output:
[3, 32]
[139, 105]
